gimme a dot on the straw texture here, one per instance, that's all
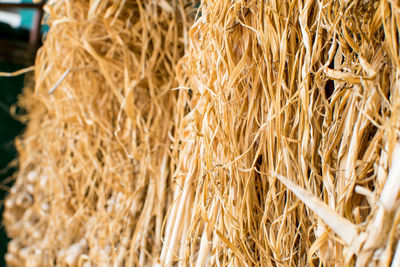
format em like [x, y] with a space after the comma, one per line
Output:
[95, 167]
[257, 133]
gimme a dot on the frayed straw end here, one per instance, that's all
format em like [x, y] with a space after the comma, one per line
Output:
[346, 230]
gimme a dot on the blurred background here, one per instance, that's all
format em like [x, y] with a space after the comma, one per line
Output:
[21, 33]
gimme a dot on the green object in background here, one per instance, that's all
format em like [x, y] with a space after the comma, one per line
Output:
[10, 87]
[27, 17]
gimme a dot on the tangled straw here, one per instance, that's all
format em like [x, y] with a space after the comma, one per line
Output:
[95, 167]
[266, 135]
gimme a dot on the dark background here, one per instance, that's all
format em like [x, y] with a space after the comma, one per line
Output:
[10, 88]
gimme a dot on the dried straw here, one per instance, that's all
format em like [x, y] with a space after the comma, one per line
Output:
[95, 166]
[278, 148]
[290, 136]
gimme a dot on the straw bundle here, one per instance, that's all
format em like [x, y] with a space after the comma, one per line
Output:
[94, 161]
[278, 149]
[295, 95]
[302, 94]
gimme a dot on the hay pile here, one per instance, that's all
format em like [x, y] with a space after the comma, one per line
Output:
[266, 134]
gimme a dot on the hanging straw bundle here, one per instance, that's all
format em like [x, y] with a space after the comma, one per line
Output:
[291, 135]
[278, 149]
[95, 161]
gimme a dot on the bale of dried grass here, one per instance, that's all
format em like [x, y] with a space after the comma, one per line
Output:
[278, 149]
